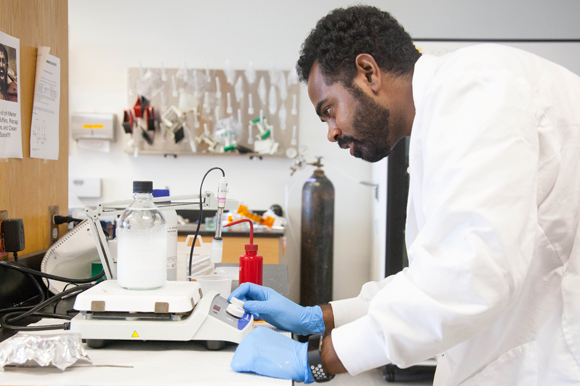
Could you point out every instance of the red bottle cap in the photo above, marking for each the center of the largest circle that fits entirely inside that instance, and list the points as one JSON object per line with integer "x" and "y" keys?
{"x": 252, "y": 248}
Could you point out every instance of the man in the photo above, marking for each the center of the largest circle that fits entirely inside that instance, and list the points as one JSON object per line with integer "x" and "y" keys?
{"x": 493, "y": 284}
{"x": 3, "y": 71}
{"x": 8, "y": 90}
{"x": 8, "y": 85}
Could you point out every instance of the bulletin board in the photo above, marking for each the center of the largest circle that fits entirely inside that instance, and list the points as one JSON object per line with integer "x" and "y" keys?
{"x": 29, "y": 186}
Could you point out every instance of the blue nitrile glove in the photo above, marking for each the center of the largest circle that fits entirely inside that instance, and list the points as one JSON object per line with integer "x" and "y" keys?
{"x": 267, "y": 352}
{"x": 269, "y": 305}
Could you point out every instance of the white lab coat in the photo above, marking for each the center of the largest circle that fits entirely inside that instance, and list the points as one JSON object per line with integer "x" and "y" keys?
{"x": 493, "y": 284}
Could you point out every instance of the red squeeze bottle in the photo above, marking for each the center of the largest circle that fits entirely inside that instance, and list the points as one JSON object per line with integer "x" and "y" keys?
{"x": 250, "y": 262}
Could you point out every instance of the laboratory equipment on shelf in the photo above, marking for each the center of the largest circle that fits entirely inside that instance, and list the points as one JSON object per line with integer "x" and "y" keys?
{"x": 267, "y": 220}
{"x": 178, "y": 311}
{"x": 264, "y": 142}
{"x": 139, "y": 121}
{"x": 251, "y": 264}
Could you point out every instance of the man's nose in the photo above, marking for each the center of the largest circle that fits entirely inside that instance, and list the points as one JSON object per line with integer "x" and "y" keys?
{"x": 334, "y": 132}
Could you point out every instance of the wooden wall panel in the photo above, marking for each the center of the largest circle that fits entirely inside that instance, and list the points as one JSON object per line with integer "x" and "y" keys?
{"x": 29, "y": 186}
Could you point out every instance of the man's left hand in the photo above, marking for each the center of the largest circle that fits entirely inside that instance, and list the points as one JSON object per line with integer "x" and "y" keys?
{"x": 267, "y": 352}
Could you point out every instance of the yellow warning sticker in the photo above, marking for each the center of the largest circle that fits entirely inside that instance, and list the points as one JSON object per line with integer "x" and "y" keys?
{"x": 93, "y": 126}
{"x": 135, "y": 335}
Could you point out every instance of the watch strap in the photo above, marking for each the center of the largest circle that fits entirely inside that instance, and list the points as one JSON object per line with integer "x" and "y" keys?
{"x": 315, "y": 360}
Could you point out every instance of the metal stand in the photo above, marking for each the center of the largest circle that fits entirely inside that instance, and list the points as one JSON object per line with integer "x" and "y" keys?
{"x": 115, "y": 208}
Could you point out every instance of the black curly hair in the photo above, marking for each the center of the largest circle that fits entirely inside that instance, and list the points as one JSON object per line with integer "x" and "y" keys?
{"x": 344, "y": 33}
{"x": 4, "y": 84}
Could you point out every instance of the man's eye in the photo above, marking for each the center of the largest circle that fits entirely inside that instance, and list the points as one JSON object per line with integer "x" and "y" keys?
{"x": 326, "y": 112}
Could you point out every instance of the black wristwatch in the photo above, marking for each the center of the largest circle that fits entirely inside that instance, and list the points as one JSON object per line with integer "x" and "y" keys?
{"x": 314, "y": 359}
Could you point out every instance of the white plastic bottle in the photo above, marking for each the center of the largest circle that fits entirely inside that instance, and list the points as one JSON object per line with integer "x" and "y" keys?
{"x": 171, "y": 218}
{"x": 142, "y": 242}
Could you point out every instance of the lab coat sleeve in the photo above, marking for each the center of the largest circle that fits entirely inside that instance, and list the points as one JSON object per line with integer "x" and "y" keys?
{"x": 347, "y": 310}
{"x": 478, "y": 143}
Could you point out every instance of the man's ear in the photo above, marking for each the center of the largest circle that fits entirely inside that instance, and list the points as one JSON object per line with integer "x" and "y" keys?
{"x": 368, "y": 72}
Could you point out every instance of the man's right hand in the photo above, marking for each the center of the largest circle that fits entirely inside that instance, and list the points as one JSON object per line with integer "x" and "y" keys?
{"x": 270, "y": 306}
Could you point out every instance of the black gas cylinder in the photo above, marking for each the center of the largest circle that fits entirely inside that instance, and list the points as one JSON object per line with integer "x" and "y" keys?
{"x": 317, "y": 239}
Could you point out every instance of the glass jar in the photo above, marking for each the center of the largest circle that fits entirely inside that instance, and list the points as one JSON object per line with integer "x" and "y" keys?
{"x": 142, "y": 242}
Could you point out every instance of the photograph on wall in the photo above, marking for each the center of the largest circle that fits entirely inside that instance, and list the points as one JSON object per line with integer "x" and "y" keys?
{"x": 8, "y": 74}
{"x": 10, "y": 125}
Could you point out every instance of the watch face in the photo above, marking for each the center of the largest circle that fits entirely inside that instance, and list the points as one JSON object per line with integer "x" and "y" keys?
{"x": 317, "y": 371}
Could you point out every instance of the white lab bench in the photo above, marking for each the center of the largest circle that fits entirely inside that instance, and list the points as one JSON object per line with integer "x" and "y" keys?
{"x": 144, "y": 363}
{"x": 169, "y": 363}
{"x": 164, "y": 363}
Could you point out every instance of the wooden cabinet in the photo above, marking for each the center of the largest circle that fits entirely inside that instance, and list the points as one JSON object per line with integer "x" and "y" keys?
{"x": 270, "y": 247}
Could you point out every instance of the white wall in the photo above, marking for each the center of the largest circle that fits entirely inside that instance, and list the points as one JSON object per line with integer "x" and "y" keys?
{"x": 109, "y": 36}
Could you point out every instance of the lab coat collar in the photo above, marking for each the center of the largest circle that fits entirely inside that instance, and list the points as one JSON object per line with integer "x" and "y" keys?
{"x": 424, "y": 70}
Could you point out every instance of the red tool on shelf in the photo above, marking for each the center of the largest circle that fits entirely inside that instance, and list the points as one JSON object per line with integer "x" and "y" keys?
{"x": 141, "y": 116}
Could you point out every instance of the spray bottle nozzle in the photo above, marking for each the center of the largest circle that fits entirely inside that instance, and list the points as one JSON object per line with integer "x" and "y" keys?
{"x": 249, "y": 247}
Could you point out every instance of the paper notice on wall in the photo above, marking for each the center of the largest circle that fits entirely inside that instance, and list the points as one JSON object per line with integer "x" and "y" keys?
{"x": 10, "y": 122}
{"x": 44, "y": 130}
{"x": 41, "y": 56}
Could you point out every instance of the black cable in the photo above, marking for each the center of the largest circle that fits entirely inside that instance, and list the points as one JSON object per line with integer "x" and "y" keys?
{"x": 64, "y": 326}
{"x": 13, "y": 317}
{"x": 39, "y": 306}
{"x": 57, "y": 220}
{"x": 58, "y": 301}
{"x": 26, "y": 308}
{"x": 200, "y": 214}
{"x": 15, "y": 314}
{"x": 38, "y": 287}
{"x": 53, "y": 277}
{"x": 22, "y": 303}
{"x": 44, "y": 294}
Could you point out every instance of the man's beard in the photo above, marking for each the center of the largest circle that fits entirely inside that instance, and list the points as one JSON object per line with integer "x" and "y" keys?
{"x": 371, "y": 124}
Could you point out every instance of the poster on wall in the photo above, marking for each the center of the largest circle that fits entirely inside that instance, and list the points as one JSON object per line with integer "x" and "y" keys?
{"x": 10, "y": 125}
{"x": 45, "y": 111}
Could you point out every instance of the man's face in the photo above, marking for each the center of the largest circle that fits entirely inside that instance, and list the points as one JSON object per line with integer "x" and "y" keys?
{"x": 355, "y": 120}
{"x": 3, "y": 67}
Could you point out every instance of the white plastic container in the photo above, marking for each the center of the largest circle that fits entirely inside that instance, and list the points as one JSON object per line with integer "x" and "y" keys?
{"x": 201, "y": 264}
{"x": 219, "y": 283}
{"x": 171, "y": 218}
{"x": 142, "y": 242}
